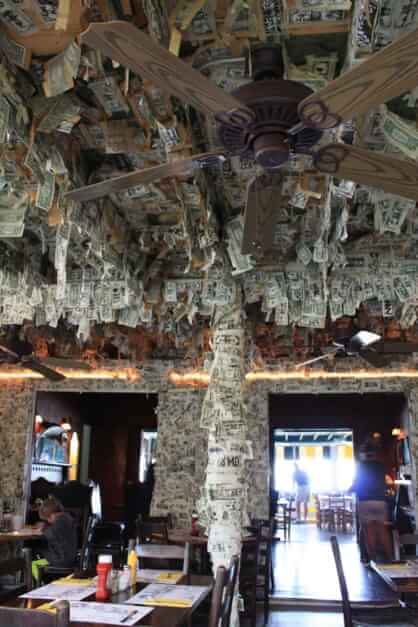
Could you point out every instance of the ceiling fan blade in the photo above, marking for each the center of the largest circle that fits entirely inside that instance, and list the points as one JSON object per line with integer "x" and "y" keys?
{"x": 37, "y": 366}
{"x": 125, "y": 43}
{"x": 264, "y": 194}
{"x": 57, "y": 362}
{"x": 4, "y": 349}
{"x": 369, "y": 168}
{"x": 315, "y": 359}
{"x": 374, "y": 359}
{"x": 393, "y": 347}
{"x": 142, "y": 177}
{"x": 386, "y": 74}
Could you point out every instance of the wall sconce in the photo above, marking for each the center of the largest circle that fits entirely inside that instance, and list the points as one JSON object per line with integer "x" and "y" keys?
{"x": 396, "y": 432}
{"x": 38, "y": 422}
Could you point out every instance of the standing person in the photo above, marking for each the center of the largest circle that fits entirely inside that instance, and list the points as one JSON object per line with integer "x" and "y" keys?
{"x": 301, "y": 480}
{"x": 370, "y": 489}
{"x": 60, "y": 533}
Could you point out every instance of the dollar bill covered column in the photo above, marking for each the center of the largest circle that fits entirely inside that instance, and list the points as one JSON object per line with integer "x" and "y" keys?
{"x": 223, "y": 502}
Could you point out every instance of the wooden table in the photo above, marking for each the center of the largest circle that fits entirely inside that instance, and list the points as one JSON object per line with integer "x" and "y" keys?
{"x": 160, "y": 616}
{"x": 402, "y": 577}
{"x": 27, "y": 533}
{"x": 184, "y": 536}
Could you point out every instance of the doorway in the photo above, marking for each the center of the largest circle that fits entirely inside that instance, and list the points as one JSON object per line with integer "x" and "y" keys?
{"x": 115, "y": 434}
{"x": 323, "y": 434}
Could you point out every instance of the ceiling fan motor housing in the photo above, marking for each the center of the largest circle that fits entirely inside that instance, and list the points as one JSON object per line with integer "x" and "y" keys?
{"x": 260, "y": 128}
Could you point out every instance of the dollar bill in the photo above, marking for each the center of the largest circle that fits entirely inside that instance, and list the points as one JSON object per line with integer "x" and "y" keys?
{"x": 12, "y": 229}
{"x": 16, "y": 19}
{"x": 408, "y": 315}
{"x": 55, "y": 112}
{"x": 109, "y": 95}
{"x": 14, "y": 52}
{"x": 61, "y": 70}
{"x": 399, "y": 133}
{"x": 5, "y": 113}
{"x": 45, "y": 193}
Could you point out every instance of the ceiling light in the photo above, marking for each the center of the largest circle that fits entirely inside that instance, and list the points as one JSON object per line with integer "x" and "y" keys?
{"x": 363, "y": 339}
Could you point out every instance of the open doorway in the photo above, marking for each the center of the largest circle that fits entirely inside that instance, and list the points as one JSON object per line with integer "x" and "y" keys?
{"x": 326, "y": 458}
{"x": 323, "y": 435}
{"x": 105, "y": 438}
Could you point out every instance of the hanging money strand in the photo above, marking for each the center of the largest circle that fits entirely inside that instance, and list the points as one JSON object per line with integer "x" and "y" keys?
{"x": 225, "y": 492}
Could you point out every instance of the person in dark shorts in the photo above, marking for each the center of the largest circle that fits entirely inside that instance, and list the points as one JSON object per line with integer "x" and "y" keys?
{"x": 370, "y": 489}
{"x": 60, "y": 533}
{"x": 301, "y": 480}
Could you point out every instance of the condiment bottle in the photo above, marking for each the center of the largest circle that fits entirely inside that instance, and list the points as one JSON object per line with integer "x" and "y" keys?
{"x": 195, "y": 520}
{"x": 104, "y": 577}
{"x": 132, "y": 561}
{"x": 125, "y": 579}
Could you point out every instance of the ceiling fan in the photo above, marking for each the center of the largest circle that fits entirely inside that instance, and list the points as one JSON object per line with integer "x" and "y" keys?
{"x": 20, "y": 352}
{"x": 268, "y": 119}
{"x": 369, "y": 346}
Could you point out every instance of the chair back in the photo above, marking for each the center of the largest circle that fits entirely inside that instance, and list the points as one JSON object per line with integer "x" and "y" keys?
{"x": 106, "y": 538}
{"x": 167, "y": 519}
{"x": 152, "y": 532}
{"x": 348, "y": 619}
{"x": 223, "y": 594}
{"x": 402, "y": 540}
{"x": 19, "y": 565}
{"x": 265, "y": 539}
{"x": 20, "y": 617}
{"x": 164, "y": 556}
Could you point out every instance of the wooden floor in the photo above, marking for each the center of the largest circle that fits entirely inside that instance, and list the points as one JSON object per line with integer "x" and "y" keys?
{"x": 304, "y": 569}
{"x": 303, "y": 619}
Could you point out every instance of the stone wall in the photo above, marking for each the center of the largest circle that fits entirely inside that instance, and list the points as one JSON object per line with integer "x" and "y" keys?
{"x": 182, "y": 448}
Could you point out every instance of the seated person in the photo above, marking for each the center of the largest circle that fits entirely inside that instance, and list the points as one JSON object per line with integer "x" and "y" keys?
{"x": 60, "y": 534}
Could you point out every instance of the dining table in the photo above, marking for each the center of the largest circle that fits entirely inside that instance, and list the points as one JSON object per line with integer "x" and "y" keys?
{"x": 402, "y": 576}
{"x": 27, "y": 533}
{"x": 160, "y": 616}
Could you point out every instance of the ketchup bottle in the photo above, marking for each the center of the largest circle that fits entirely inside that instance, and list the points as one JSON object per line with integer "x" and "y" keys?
{"x": 104, "y": 575}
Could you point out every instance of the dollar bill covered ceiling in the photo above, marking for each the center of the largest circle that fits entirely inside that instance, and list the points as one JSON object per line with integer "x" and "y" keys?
{"x": 137, "y": 273}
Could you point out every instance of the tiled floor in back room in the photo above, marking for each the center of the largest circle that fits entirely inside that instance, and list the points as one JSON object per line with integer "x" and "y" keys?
{"x": 304, "y": 568}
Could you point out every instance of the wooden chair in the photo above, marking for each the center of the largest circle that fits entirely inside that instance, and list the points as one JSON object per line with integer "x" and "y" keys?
{"x": 20, "y": 617}
{"x": 155, "y": 532}
{"x": 223, "y": 594}
{"x": 18, "y": 566}
{"x": 400, "y": 541}
{"x": 108, "y": 538}
{"x": 248, "y": 574}
{"x": 283, "y": 519}
{"x": 167, "y": 519}
{"x": 265, "y": 581}
{"x": 165, "y": 557}
{"x": 402, "y": 616}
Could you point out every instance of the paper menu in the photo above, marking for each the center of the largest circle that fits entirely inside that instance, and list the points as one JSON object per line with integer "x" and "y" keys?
{"x": 61, "y": 592}
{"x": 168, "y": 595}
{"x": 106, "y": 613}
{"x": 149, "y": 575}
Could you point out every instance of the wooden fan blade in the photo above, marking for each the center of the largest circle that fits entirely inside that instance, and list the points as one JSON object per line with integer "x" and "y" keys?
{"x": 138, "y": 177}
{"x": 386, "y": 74}
{"x": 264, "y": 194}
{"x": 125, "y": 43}
{"x": 6, "y": 350}
{"x": 389, "y": 346}
{"x": 57, "y": 362}
{"x": 315, "y": 359}
{"x": 369, "y": 168}
{"x": 37, "y": 366}
{"x": 374, "y": 359}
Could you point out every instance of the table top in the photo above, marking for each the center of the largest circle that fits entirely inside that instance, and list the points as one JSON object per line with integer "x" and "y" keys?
{"x": 183, "y": 536}
{"x": 400, "y": 576}
{"x": 27, "y": 533}
{"x": 160, "y": 616}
